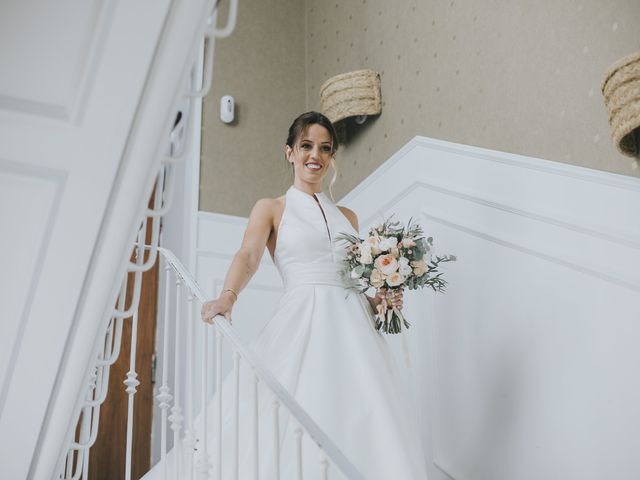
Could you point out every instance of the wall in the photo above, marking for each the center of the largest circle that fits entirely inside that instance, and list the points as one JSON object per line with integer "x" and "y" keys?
{"x": 262, "y": 65}
{"x": 521, "y": 77}
{"x": 518, "y": 77}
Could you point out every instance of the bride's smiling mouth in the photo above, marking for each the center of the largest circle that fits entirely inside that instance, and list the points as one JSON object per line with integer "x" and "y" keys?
{"x": 313, "y": 166}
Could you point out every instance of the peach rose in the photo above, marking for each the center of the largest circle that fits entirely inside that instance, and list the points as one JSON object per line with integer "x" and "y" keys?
{"x": 419, "y": 267}
{"x": 376, "y": 279}
{"x": 395, "y": 279}
{"x": 387, "y": 264}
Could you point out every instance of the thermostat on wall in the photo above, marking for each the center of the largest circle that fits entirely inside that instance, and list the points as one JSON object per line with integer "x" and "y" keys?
{"x": 227, "y": 107}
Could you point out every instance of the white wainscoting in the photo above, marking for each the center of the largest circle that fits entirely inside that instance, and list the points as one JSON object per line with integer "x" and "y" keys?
{"x": 526, "y": 368}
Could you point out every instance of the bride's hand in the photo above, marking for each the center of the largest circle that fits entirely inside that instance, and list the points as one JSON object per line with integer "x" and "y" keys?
{"x": 394, "y": 297}
{"x": 219, "y": 306}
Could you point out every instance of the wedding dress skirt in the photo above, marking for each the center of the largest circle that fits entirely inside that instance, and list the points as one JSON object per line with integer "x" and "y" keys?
{"x": 323, "y": 348}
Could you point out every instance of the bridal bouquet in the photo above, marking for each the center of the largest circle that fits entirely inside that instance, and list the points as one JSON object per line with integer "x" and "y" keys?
{"x": 393, "y": 257}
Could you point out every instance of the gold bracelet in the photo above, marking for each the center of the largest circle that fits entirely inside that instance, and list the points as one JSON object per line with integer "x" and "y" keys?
{"x": 230, "y": 290}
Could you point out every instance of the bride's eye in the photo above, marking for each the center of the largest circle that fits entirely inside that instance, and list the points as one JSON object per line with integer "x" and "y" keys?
{"x": 305, "y": 145}
{"x": 326, "y": 149}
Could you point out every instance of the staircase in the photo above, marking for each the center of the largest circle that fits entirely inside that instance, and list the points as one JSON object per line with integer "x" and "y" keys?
{"x": 87, "y": 133}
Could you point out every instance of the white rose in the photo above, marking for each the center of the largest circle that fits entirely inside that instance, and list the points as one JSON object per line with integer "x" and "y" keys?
{"x": 387, "y": 264}
{"x": 387, "y": 242}
{"x": 373, "y": 242}
{"x": 376, "y": 279}
{"x": 395, "y": 279}
{"x": 365, "y": 254}
{"x": 404, "y": 267}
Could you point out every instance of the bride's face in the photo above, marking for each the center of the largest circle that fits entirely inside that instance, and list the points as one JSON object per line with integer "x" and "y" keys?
{"x": 311, "y": 154}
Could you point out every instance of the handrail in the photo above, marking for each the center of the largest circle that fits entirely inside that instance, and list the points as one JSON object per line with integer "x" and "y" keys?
{"x": 303, "y": 418}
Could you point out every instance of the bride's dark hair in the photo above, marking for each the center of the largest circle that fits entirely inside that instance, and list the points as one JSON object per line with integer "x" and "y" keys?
{"x": 300, "y": 125}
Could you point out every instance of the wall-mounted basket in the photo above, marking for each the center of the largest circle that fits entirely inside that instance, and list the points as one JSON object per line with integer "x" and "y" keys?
{"x": 353, "y": 94}
{"x": 621, "y": 90}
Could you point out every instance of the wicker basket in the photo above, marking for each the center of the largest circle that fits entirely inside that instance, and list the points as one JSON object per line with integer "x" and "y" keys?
{"x": 350, "y": 94}
{"x": 621, "y": 90}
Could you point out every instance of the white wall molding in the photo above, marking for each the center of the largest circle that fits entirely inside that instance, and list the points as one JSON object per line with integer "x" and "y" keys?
{"x": 74, "y": 61}
{"x": 22, "y": 184}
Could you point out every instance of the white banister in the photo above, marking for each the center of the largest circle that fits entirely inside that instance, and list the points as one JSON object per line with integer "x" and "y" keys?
{"x": 281, "y": 398}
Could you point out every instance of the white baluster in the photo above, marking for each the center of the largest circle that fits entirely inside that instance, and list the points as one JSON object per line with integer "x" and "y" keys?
{"x": 219, "y": 399}
{"x": 131, "y": 382}
{"x": 189, "y": 434}
{"x": 68, "y": 472}
{"x": 324, "y": 466}
{"x": 176, "y": 411}
{"x": 256, "y": 437}
{"x": 164, "y": 397}
{"x": 298, "y": 433}
{"x": 276, "y": 437}
{"x": 236, "y": 415}
{"x": 203, "y": 461}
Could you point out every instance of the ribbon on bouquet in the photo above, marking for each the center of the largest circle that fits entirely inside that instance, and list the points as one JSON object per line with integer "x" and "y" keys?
{"x": 384, "y": 314}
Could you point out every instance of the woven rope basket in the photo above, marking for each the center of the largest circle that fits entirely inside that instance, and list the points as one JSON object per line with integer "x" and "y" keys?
{"x": 351, "y": 94}
{"x": 621, "y": 90}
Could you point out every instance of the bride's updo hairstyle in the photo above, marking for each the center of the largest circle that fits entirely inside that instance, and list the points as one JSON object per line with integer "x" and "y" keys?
{"x": 299, "y": 127}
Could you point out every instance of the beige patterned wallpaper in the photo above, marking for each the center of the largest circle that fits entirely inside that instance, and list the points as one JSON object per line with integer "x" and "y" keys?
{"x": 262, "y": 65}
{"x": 521, "y": 77}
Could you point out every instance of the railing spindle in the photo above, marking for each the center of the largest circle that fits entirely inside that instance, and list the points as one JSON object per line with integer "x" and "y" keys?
{"x": 131, "y": 382}
{"x": 298, "y": 433}
{"x": 176, "y": 410}
{"x": 324, "y": 466}
{"x": 236, "y": 415}
{"x": 219, "y": 399}
{"x": 256, "y": 437}
{"x": 189, "y": 437}
{"x": 276, "y": 437}
{"x": 164, "y": 397}
{"x": 203, "y": 461}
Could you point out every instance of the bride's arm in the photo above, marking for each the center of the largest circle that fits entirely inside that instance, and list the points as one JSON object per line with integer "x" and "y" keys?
{"x": 245, "y": 262}
{"x": 247, "y": 259}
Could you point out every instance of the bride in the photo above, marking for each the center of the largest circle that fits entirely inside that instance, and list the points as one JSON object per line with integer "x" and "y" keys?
{"x": 320, "y": 344}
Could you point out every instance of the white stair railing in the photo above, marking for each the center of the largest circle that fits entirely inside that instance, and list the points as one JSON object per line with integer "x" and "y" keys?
{"x": 188, "y": 297}
{"x": 74, "y": 463}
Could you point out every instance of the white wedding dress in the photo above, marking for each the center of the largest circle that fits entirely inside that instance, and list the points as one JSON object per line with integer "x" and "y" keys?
{"x": 323, "y": 348}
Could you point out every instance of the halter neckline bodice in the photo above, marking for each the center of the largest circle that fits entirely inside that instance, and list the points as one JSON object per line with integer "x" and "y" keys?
{"x": 306, "y": 249}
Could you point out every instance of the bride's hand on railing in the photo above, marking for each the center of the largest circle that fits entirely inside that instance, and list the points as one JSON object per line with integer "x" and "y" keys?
{"x": 219, "y": 306}
{"x": 394, "y": 297}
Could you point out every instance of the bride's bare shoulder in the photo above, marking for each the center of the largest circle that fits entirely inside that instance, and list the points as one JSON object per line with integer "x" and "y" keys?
{"x": 267, "y": 208}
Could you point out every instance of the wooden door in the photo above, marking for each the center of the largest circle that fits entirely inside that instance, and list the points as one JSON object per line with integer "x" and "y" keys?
{"x": 107, "y": 456}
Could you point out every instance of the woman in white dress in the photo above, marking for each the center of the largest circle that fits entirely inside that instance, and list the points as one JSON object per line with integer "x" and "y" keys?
{"x": 322, "y": 347}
